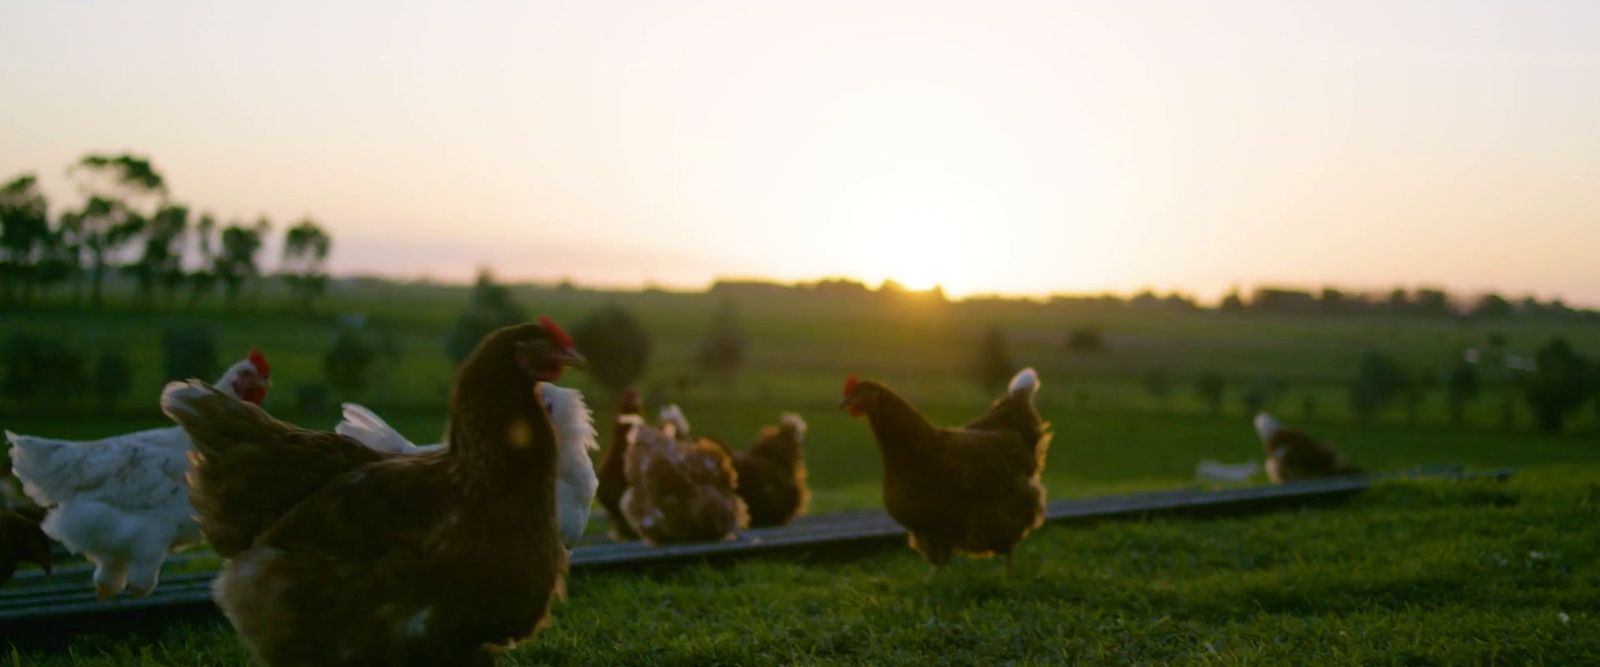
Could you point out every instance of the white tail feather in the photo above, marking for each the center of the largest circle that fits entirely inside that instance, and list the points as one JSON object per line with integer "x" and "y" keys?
{"x": 794, "y": 421}
{"x": 672, "y": 415}
{"x": 1026, "y": 379}
{"x": 367, "y": 428}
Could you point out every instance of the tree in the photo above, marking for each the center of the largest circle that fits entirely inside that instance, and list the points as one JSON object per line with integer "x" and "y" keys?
{"x": 189, "y": 351}
{"x": 305, "y": 253}
{"x": 203, "y": 279}
{"x": 348, "y": 363}
{"x": 489, "y": 307}
{"x": 1232, "y": 303}
{"x": 1085, "y": 339}
{"x": 616, "y": 345}
{"x": 994, "y": 366}
{"x": 1210, "y": 388}
{"x": 1379, "y": 381}
{"x": 722, "y": 351}
{"x": 1559, "y": 383}
{"x": 161, "y": 265}
{"x": 1460, "y": 388}
{"x": 116, "y": 187}
{"x": 236, "y": 264}
{"x": 1493, "y": 306}
{"x": 24, "y": 229}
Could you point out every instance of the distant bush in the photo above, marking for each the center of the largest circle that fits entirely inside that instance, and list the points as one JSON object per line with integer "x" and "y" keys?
{"x": 722, "y": 351}
{"x": 616, "y": 345}
{"x": 489, "y": 308}
{"x": 312, "y": 399}
{"x": 994, "y": 365}
{"x": 348, "y": 363}
{"x": 1085, "y": 339}
{"x": 113, "y": 379}
{"x": 1379, "y": 381}
{"x": 190, "y": 352}
{"x": 1210, "y": 388}
{"x": 1158, "y": 384}
{"x": 38, "y": 368}
{"x": 1561, "y": 382}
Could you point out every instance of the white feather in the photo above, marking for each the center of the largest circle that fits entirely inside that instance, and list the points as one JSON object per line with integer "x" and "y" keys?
{"x": 672, "y": 415}
{"x": 1216, "y": 471}
{"x": 795, "y": 422}
{"x": 1266, "y": 426}
{"x": 367, "y": 428}
{"x": 1026, "y": 379}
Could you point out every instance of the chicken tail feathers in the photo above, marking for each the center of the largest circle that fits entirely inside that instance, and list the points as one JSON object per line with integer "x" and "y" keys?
{"x": 43, "y": 465}
{"x": 1026, "y": 380}
{"x": 215, "y": 421}
{"x": 367, "y": 428}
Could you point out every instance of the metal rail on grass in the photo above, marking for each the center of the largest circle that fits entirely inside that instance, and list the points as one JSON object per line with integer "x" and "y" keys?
{"x": 186, "y": 578}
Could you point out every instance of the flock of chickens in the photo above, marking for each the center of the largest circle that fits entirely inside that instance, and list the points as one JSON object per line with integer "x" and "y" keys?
{"x": 359, "y": 547}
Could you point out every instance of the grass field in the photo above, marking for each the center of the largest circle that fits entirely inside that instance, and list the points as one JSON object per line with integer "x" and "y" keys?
{"x": 1412, "y": 573}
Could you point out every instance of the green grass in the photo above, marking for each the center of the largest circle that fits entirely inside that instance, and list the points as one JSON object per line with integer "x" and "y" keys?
{"x": 1410, "y": 573}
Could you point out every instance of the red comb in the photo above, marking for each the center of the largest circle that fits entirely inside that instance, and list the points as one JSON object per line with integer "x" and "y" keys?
{"x": 259, "y": 360}
{"x": 850, "y": 385}
{"x": 555, "y": 330}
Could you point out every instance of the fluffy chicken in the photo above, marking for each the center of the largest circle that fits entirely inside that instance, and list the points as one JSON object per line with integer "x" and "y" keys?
{"x": 339, "y": 554}
{"x": 122, "y": 501}
{"x": 772, "y": 473}
{"x": 679, "y": 490}
{"x": 973, "y": 489}
{"x": 575, "y": 438}
{"x": 22, "y": 541}
{"x": 1292, "y": 455}
{"x": 613, "y": 467}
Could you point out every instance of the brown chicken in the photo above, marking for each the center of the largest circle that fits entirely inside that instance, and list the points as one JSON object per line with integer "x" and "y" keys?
{"x": 22, "y": 541}
{"x": 1292, "y": 455}
{"x": 973, "y": 489}
{"x": 342, "y": 555}
{"x": 680, "y": 491}
{"x": 772, "y": 473}
{"x": 612, "y": 473}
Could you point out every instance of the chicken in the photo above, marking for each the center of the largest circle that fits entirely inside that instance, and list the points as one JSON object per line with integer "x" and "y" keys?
{"x": 575, "y": 437}
{"x": 678, "y": 490}
{"x": 22, "y": 541}
{"x": 122, "y": 501}
{"x": 339, "y": 554}
{"x": 612, "y": 474}
{"x": 1292, "y": 455}
{"x": 672, "y": 421}
{"x": 772, "y": 473}
{"x": 973, "y": 489}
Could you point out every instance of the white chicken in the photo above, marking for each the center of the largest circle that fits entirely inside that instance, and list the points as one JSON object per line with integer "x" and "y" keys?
{"x": 122, "y": 501}
{"x": 575, "y": 436}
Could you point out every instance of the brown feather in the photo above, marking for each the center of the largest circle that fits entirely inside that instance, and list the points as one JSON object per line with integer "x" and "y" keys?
{"x": 681, "y": 491}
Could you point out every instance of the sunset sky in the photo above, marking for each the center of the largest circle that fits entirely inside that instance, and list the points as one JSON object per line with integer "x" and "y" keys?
{"x": 1012, "y": 146}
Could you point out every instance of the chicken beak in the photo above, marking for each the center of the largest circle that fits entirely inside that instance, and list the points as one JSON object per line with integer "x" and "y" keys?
{"x": 571, "y": 358}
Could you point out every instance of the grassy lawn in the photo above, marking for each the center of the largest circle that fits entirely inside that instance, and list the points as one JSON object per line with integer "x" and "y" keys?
{"x": 1410, "y": 573}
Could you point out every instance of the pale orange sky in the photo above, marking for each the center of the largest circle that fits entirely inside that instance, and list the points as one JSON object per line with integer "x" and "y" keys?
{"x": 1022, "y": 147}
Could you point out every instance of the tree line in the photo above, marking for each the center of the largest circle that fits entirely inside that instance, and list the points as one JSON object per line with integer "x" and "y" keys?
{"x": 127, "y": 222}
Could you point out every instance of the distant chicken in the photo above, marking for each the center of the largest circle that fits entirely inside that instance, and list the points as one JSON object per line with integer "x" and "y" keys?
{"x": 680, "y": 491}
{"x": 575, "y": 437}
{"x": 772, "y": 473}
{"x": 339, "y": 554}
{"x": 122, "y": 501}
{"x": 973, "y": 489}
{"x": 21, "y": 541}
{"x": 1292, "y": 455}
{"x": 613, "y": 467}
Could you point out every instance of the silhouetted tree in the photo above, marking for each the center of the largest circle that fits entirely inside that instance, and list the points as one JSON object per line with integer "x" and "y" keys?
{"x": 203, "y": 279}
{"x": 305, "y": 254}
{"x": 1493, "y": 306}
{"x": 24, "y": 230}
{"x": 722, "y": 351}
{"x": 1231, "y": 303}
{"x": 1559, "y": 384}
{"x": 161, "y": 265}
{"x": 1379, "y": 381}
{"x": 489, "y": 307}
{"x": 236, "y": 265}
{"x": 1158, "y": 384}
{"x": 616, "y": 345}
{"x": 1210, "y": 388}
{"x": 118, "y": 187}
